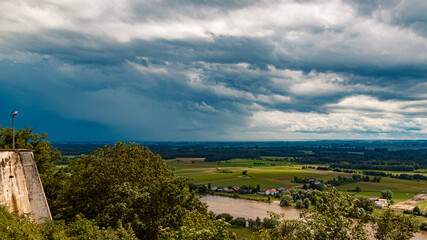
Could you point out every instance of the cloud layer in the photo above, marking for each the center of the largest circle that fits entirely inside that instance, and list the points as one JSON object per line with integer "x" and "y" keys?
{"x": 234, "y": 70}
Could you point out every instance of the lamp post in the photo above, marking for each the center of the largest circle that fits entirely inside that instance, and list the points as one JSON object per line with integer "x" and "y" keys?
{"x": 13, "y": 114}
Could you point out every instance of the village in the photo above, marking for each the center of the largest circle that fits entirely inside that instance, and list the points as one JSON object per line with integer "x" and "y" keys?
{"x": 379, "y": 202}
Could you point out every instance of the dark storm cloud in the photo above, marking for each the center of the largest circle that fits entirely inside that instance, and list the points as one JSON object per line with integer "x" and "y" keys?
{"x": 195, "y": 70}
{"x": 407, "y": 14}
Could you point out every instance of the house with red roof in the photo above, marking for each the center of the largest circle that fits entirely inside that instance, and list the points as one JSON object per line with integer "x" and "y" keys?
{"x": 271, "y": 191}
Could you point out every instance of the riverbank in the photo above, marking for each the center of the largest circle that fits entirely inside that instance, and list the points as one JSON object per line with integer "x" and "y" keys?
{"x": 250, "y": 209}
{"x": 253, "y": 197}
{"x": 247, "y": 208}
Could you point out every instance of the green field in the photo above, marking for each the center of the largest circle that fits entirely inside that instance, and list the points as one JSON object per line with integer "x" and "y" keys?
{"x": 242, "y": 233}
{"x": 422, "y": 205}
{"x": 402, "y": 189}
{"x": 274, "y": 174}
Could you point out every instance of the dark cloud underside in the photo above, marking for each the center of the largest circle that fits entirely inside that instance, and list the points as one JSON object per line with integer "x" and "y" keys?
{"x": 214, "y": 70}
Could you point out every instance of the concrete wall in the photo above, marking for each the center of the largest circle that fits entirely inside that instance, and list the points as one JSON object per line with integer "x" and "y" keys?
{"x": 20, "y": 187}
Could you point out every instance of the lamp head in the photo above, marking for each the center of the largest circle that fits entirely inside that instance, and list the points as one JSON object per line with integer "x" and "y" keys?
{"x": 14, "y": 113}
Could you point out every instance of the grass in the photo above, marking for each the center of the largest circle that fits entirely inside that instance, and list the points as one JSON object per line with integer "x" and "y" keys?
{"x": 423, "y": 206}
{"x": 282, "y": 173}
{"x": 242, "y": 233}
{"x": 397, "y": 196}
{"x": 402, "y": 189}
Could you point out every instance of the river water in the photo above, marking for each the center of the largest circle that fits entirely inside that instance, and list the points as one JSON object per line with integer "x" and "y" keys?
{"x": 247, "y": 208}
{"x": 253, "y": 209}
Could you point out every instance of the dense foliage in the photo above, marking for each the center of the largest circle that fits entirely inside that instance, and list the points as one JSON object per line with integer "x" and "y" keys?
{"x": 336, "y": 216}
{"x": 400, "y": 176}
{"x": 13, "y": 226}
{"x": 400, "y": 167}
{"x": 128, "y": 184}
{"x": 394, "y": 226}
{"x": 119, "y": 192}
{"x": 341, "y": 180}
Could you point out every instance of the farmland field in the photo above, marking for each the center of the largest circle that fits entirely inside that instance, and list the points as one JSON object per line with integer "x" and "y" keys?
{"x": 280, "y": 172}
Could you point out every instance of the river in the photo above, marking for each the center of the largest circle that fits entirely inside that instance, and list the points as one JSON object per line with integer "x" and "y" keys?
{"x": 247, "y": 208}
{"x": 253, "y": 209}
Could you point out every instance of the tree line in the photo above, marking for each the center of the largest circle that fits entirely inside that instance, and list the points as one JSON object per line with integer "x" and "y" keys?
{"x": 400, "y": 176}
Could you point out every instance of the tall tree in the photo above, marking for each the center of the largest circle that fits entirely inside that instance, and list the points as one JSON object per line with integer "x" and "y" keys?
{"x": 332, "y": 218}
{"x": 393, "y": 226}
{"x": 129, "y": 184}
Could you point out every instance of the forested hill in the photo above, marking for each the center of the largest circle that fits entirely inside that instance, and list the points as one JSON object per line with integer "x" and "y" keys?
{"x": 377, "y": 155}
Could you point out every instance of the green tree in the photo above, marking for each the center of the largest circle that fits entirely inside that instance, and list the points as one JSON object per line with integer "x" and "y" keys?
{"x": 393, "y": 226}
{"x": 197, "y": 225}
{"x": 240, "y": 221}
{"x": 285, "y": 229}
{"x": 13, "y": 226}
{"x": 299, "y": 203}
{"x": 129, "y": 185}
{"x": 226, "y": 216}
{"x": 334, "y": 215}
{"x": 332, "y": 218}
{"x": 286, "y": 200}
{"x": 258, "y": 222}
{"x": 387, "y": 194}
{"x": 358, "y": 189}
{"x": 416, "y": 210}
{"x": 365, "y": 203}
{"x": 244, "y": 172}
{"x": 306, "y": 203}
{"x": 270, "y": 222}
{"x": 251, "y": 223}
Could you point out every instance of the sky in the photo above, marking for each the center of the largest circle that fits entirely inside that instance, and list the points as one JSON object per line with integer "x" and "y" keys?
{"x": 210, "y": 70}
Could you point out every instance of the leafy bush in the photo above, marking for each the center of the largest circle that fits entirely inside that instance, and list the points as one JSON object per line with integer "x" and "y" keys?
{"x": 306, "y": 203}
{"x": 240, "y": 221}
{"x": 226, "y": 216}
{"x": 416, "y": 210}
{"x": 393, "y": 226}
{"x": 387, "y": 194}
{"x": 13, "y": 226}
{"x": 286, "y": 201}
{"x": 299, "y": 203}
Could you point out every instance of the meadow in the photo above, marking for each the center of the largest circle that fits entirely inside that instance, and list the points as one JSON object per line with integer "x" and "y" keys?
{"x": 281, "y": 171}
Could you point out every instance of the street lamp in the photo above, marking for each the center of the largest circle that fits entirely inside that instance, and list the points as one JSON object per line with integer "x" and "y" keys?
{"x": 13, "y": 114}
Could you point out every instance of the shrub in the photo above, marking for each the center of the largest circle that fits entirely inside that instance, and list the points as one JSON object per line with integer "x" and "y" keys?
{"x": 416, "y": 210}
{"x": 299, "y": 203}
{"x": 306, "y": 202}
{"x": 387, "y": 194}
{"x": 227, "y": 217}
{"x": 240, "y": 221}
{"x": 286, "y": 201}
